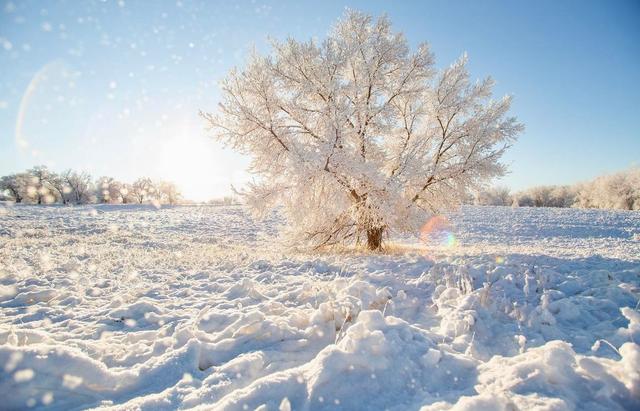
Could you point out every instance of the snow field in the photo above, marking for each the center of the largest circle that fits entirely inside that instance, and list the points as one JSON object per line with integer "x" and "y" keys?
{"x": 131, "y": 307}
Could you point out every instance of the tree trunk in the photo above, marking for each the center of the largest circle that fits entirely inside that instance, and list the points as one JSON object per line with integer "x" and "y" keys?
{"x": 374, "y": 238}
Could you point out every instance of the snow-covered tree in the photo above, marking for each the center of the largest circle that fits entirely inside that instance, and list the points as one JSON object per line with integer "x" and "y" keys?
{"x": 142, "y": 190}
{"x": 619, "y": 190}
{"x": 15, "y": 185}
{"x": 540, "y": 195}
{"x": 358, "y": 136}
{"x": 81, "y": 186}
{"x": 41, "y": 190}
{"x": 126, "y": 193}
{"x": 168, "y": 193}
{"x": 547, "y": 196}
{"x": 563, "y": 196}
{"x": 495, "y": 196}
{"x": 60, "y": 187}
{"x": 108, "y": 190}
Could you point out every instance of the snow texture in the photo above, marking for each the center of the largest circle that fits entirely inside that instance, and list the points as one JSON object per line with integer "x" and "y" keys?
{"x": 130, "y": 307}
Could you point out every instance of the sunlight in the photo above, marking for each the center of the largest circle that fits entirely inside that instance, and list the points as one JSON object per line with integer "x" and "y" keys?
{"x": 197, "y": 164}
{"x": 188, "y": 160}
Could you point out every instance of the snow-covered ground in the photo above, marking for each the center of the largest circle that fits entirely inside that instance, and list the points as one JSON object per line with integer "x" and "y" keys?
{"x": 129, "y": 307}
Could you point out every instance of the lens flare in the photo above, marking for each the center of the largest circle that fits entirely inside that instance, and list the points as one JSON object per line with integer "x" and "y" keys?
{"x": 41, "y": 76}
{"x": 437, "y": 232}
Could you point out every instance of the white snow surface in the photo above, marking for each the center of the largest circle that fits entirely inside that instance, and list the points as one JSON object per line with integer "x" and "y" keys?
{"x": 129, "y": 307}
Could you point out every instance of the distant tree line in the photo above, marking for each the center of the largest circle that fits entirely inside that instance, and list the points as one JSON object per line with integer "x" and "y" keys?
{"x": 614, "y": 191}
{"x": 224, "y": 201}
{"x": 39, "y": 185}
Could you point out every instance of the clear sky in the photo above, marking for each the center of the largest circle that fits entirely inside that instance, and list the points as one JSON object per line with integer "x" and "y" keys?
{"x": 114, "y": 87}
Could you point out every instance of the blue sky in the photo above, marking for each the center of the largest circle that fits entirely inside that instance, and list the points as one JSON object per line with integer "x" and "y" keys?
{"x": 114, "y": 87}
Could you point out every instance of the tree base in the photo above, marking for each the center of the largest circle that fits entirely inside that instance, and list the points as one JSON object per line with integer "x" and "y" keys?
{"x": 374, "y": 238}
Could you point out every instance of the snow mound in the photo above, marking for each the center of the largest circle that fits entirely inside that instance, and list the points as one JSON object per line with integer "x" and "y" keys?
{"x": 553, "y": 377}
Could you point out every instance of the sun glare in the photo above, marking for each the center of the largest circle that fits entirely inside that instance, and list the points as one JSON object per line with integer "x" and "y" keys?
{"x": 197, "y": 164}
